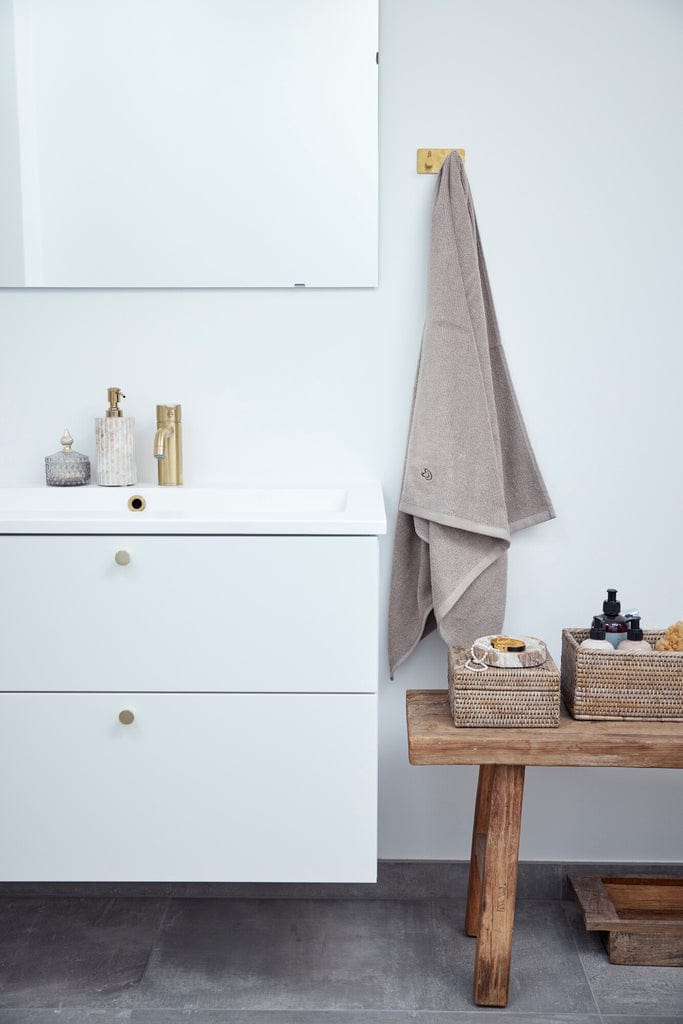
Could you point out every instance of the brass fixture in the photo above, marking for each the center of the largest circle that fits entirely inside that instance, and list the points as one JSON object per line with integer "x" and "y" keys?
{"x": 114, "y": 396}
{"x": 168, "y": 445}
{"x": 137, "y": 503}
{"x": 430, "y": 161}
{"x": 122, "y": 557}
{"x": 126, "y": 717}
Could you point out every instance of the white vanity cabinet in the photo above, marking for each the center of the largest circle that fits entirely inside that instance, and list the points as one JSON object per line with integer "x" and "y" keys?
{"x": 188, "y": 707}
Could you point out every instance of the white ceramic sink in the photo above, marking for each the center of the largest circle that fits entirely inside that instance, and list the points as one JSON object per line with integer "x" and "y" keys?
{"x": 346, "y": 509}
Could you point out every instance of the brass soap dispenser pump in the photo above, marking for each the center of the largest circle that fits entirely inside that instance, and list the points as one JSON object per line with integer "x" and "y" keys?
{"x": 168, "y": 445}
{"x": 114, "y": 396}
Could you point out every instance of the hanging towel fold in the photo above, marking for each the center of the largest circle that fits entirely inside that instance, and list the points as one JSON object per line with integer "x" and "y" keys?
{"x": 470, "y": 476}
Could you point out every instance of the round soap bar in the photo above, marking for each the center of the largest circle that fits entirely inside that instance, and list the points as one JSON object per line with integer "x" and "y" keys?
{"x": 508, "y": 643}
{"x": 534, "y": 653}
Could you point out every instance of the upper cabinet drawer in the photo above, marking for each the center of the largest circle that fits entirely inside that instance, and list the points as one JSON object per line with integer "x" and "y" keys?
{"x": 137, "y": 613}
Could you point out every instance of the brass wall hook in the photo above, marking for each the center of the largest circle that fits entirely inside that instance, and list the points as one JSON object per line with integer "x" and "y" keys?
{"x": 430, "y": 161}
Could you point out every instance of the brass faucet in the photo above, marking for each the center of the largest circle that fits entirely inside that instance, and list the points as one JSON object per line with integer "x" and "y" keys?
{"x": 168, "y": 445}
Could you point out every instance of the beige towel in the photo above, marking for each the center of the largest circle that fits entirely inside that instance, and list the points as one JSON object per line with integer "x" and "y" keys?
{"x": 470, "y": 476}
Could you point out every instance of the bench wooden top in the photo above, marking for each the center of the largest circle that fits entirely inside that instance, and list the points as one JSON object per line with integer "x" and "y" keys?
{"x": 434, "y": 739}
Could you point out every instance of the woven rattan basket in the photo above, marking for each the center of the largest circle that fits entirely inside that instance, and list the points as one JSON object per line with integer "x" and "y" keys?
{"x": 503, "y": 697}
{"x": 603, "y": 686}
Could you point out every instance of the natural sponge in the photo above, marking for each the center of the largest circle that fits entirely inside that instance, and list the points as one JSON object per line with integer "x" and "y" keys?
{"x": 672, "y": 639}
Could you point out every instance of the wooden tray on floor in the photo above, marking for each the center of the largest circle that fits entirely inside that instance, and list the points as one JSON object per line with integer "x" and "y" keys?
{"x": 640, "y": 917}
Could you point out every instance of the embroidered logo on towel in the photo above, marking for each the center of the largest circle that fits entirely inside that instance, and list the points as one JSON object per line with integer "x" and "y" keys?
{"x": 426, "y": 474}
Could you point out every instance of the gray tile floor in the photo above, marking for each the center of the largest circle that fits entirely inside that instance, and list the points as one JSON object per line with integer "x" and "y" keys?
{"x": 305, "y": 961}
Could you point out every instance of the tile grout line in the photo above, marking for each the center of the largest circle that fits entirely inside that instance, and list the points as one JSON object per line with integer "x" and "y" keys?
{"x": 578, "y": 953}
{"x": 152, "y": 946}
{"x": 318, "y": 1014}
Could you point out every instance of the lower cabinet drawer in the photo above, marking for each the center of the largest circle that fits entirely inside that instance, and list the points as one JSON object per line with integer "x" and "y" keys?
{"x": 197, "y": 787}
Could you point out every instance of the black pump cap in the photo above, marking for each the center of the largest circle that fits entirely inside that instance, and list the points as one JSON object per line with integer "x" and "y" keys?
{"x": 634, "y": 630}
{"x": 611, "y": 606}
{"x": 597, "y": 629}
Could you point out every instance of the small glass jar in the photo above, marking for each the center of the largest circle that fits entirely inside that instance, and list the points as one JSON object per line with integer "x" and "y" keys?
{"x": 67, "y": 468}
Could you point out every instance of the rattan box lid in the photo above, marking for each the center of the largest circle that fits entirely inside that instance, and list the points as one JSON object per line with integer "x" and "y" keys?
{"x": 541, "y": 677}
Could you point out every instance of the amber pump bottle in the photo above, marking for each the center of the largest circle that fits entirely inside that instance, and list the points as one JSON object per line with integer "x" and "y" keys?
{"x": 614, "y": 624}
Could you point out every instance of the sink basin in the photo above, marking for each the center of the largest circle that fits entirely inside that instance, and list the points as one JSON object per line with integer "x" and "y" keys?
{"x": 147, "y": 508}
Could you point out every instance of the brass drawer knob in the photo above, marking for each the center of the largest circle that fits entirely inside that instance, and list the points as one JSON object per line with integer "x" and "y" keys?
{"x": 122, "y": 557}
{"x": 126, "y": 717}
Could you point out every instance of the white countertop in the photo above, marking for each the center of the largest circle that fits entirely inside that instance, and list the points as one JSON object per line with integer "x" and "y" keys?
{"x": 344, "y": 510}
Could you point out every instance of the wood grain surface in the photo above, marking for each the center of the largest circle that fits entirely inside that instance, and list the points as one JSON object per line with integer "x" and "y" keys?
{"x": 639, "y": 903}
{"x": 434, "y": 739}
{"x": 499, "y": 886}
{"x": 651, "y": 950}
{"x": 479, "y": 830}
{"x": 640, "y": 918}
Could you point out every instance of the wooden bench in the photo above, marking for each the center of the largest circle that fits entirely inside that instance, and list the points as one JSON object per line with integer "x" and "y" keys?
{"x": 502, "y": 755}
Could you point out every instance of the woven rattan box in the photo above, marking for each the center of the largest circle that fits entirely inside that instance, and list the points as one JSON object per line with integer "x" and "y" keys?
{"x": 599, "y": 685}
{"x": 503, "y": 697}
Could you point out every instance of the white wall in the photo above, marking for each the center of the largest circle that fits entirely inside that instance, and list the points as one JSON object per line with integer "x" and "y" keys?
{"x": 569, "y": 114}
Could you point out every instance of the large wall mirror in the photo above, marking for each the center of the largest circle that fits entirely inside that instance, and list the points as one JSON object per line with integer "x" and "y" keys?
{"x": 188, "y": 143}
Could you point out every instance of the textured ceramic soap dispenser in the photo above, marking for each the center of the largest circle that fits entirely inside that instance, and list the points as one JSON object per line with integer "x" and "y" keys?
{"x": 115, "y": 444}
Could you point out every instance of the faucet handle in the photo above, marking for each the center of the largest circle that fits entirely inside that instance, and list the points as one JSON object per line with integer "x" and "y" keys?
{"x": 169, "y": 413}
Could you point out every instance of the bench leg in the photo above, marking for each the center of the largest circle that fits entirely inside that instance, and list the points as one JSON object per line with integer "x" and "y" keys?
{"x": 479, "y": 830}
{"x": 499, "y": 886}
